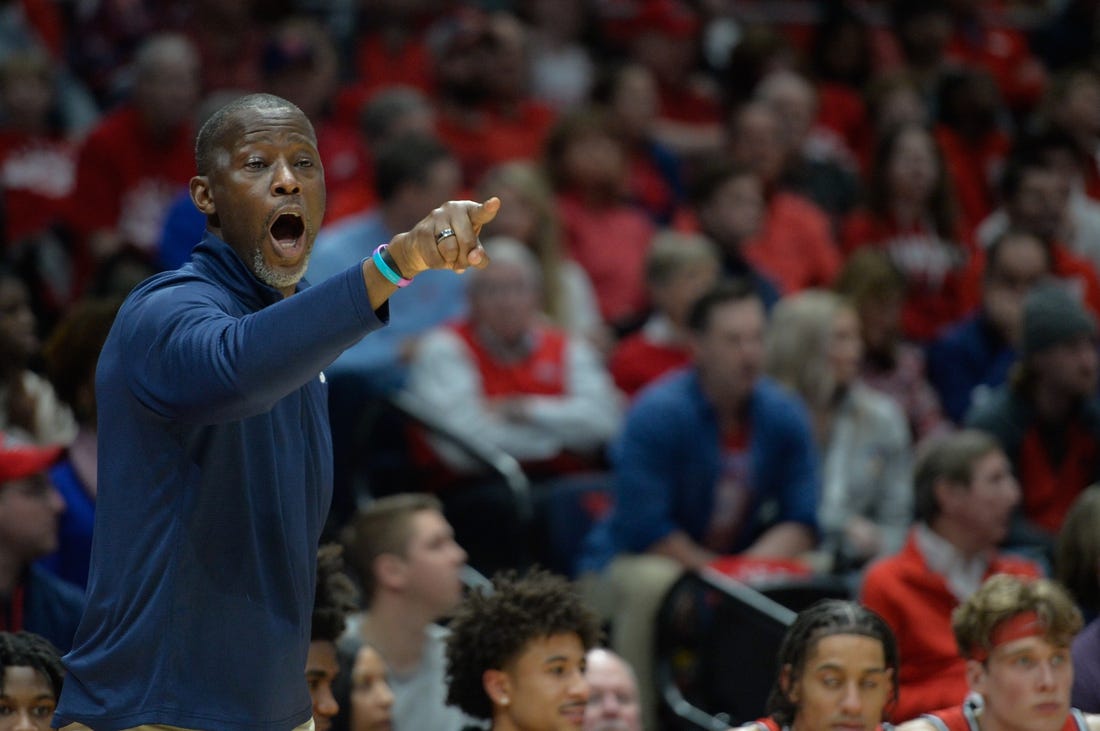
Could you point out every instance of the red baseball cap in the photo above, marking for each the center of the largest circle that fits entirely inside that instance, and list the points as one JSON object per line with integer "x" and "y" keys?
{"x": 18, "y": 461}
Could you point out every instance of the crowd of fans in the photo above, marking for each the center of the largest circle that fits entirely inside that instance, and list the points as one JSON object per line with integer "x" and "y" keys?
{"x": 799, "y": 291}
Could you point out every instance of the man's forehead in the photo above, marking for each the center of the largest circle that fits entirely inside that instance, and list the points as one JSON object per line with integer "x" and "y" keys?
{"x": 255, "y": 121}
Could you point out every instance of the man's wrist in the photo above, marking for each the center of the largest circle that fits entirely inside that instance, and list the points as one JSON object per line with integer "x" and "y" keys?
{"x": 398, "y": 249}
{"x": 388, "y": 267}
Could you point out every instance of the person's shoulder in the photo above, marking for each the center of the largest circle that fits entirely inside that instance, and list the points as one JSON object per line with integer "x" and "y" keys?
{"x": 672, "y": 392}
{"x": 878, "y": 407}
{"x": 777, "y": 404}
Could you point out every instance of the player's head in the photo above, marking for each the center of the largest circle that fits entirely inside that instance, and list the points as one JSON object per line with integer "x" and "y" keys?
{"x": 30, "y": 680}
{"x": 1015, "y": 634}
{"x": 838, "y": 664}
{"x": 518, "y": 651}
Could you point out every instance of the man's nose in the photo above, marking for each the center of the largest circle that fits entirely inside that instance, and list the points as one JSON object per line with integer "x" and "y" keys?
{"x": 284, "y": 181}
{"x": 851, "y": 703}
{"x": 24, "y": 722}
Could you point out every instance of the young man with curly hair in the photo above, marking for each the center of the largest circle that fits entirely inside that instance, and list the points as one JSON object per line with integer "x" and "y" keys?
{"x": 1014, "y": 634}
{"x": 516, "y": 655}
{"x": 30, "y": 681}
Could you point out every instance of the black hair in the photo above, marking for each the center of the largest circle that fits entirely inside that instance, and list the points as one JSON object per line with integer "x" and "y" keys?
{"x": 26, "y": 649}
{"x": 712, "y": 176}
{"x": 729, "y": 290}
{"x": 825, "y": 618}
{"x": 408, "y": 158}
{"x": 212, "y": 133}
{"x": 493, "y": 627}
{"x": 335, "y": 596}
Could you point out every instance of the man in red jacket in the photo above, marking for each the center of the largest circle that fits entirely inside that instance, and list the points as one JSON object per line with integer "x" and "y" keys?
{"x": 965, "y": 493}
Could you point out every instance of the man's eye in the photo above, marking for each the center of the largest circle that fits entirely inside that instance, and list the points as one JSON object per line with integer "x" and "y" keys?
{"x": 254, "y": 163}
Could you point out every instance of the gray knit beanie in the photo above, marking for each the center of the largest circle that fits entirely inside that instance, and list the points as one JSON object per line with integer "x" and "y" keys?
{"x": 1052, "y": 317}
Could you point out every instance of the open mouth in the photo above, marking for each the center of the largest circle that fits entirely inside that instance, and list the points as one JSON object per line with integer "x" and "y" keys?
{"x": 287, "y": 229}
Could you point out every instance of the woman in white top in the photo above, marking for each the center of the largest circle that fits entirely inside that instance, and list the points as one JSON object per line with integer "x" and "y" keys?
{"x": 865, "y": 505}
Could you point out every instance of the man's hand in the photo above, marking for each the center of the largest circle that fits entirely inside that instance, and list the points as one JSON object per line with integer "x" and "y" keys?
{"x": 447, "y": 238}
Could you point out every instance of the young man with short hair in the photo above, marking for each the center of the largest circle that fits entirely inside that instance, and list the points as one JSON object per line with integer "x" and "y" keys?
{"x": 1014, "y": 635}
{"x": 965, "y": 495}
{"x": 404, "y": 552}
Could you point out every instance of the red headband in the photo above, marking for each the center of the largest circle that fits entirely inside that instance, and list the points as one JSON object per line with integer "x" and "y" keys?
{"x": 1016, "y": 627}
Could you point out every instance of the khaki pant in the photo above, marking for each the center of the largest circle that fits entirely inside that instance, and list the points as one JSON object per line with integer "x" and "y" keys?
{"x": 629, "y": 593}
{"x": 307, "y": 726}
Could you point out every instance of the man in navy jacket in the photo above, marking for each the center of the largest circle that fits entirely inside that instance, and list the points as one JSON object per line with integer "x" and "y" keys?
{"x": 215, "y": 464}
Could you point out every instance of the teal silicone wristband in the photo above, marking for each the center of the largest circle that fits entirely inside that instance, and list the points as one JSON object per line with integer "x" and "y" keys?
{"x": 383, "y": 262}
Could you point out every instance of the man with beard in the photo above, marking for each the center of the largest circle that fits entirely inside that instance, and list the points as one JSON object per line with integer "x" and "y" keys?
{"x": 1047, "y": 418}
{"x": 216, "y": 454}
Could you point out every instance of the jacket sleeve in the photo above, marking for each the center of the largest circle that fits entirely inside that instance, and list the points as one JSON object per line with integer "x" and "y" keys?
{"x": 646, "y": 466}
{"x": 797, "y": 459}
{"x": 189, "y": 359}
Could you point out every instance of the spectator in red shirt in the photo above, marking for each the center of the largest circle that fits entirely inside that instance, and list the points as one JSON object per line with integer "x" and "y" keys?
{"x": 486, "y": 113}
{"x": 964, "y": 497}
{"x": 679, "y": 269}
{"x": 136, "y": 161}
{"x": 629, "y": 93}
{"x": 893, "y": 100}
{"x": 978, "y": 40}
{"x": 974, "y": 147}
{"x": 795, "y": 246}
{"x": 608, "y": 237}
{"x": 910, "y": 216}
{"x": 664, "y": 36}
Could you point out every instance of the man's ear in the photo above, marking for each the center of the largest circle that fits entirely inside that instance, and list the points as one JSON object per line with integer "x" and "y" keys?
{"x": 201, "y": 195}
{"x": 975, "y": 676}
{"x": 497, "y": 686}
{"x": 945, "y": 493}
{"x": 389, "y": 570}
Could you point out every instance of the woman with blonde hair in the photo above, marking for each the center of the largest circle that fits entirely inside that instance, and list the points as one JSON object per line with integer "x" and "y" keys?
{"x": 529, "y": 215}
{"x": 865, "y": 505}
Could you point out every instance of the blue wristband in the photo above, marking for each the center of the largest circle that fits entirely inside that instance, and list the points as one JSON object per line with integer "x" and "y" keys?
{"x": 385, "y": 268}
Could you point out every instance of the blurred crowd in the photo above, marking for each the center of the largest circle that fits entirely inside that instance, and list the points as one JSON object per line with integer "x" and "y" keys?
{"x": 769, "y": 280}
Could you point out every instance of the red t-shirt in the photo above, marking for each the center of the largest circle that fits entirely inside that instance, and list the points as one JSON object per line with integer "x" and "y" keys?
{"x": 637, "y": 361}
{"x": 1048, "y": 489}
{"x": 611, "y": 244}
{"x": 493, "y": 136}
{"x": 795, "y": 247}
{"x": 37, "y": 175}
{"x": 974, "y": 168}
{"x": 939, "y": 274}
{"x": 126, "y": 178}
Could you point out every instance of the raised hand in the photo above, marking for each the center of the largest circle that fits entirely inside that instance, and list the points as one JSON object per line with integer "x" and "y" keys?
{"x": 447, "y": 238}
